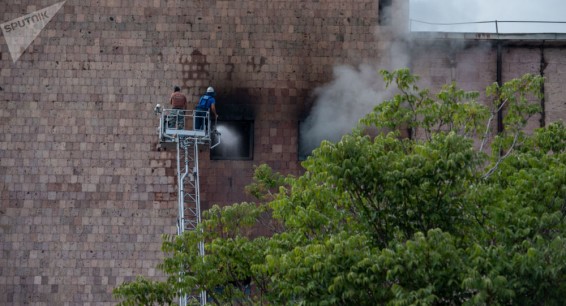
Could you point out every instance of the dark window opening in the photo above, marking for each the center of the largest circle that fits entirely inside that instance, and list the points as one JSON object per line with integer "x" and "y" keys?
{"x": 305, "y": 149}
{"x": 236, "y": 140}
{"x": 384, "y": 14}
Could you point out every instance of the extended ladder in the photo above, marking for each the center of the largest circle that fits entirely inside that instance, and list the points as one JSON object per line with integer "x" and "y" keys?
{"x": 172, "y": 131}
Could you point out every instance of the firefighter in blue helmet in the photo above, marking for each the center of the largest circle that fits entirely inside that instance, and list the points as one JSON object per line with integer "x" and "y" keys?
{"x": 205, "y": 104}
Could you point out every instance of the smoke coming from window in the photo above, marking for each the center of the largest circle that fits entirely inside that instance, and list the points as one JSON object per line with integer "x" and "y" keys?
{"x": 340, "y": 104}
{"x": 355, "y": 90}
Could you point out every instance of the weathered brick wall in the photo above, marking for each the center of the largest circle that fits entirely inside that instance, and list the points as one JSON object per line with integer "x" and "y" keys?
{"x": 555, "y": 78}
{"x": 473, "y": 66}
{"x": 84, "y": 195}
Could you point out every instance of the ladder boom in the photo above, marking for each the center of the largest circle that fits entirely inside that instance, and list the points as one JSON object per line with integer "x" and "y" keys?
{"x": 172, "y": 130}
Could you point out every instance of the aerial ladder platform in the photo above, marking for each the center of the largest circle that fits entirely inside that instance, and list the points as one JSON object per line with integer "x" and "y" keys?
{"x": 173, "y": 132}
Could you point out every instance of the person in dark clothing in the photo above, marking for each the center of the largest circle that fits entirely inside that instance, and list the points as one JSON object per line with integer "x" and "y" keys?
{"x": 179, "y": 103}
{"x": 205, "y": 104}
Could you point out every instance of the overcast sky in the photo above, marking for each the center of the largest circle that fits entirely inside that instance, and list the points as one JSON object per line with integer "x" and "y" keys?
{"x": 454, "y": 11}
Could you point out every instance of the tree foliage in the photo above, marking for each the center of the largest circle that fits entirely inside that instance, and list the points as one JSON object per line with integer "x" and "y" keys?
{"x": 448, "y": 213}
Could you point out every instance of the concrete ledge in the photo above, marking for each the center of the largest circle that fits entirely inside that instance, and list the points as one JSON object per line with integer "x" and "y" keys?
{"x": 491, "y": 36}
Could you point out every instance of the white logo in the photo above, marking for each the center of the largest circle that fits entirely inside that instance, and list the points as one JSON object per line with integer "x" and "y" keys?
{"x": 20, "y": 32}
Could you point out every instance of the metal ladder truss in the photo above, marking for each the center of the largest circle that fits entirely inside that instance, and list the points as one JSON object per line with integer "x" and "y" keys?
{"x": 172, "y": 130}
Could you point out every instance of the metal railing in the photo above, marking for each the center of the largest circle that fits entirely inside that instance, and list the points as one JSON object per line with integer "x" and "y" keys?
{"x": 197, "y": 124}
{"x": 493, "y": 26}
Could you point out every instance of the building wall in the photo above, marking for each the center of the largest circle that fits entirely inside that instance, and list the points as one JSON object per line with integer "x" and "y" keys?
{"x": 472, "y": 65}
{"x": 555, "y": 77}
{"x": 84, "y": 194}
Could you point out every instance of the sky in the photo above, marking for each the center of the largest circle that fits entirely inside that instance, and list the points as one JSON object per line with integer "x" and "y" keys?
{"x": 454, "y": 11}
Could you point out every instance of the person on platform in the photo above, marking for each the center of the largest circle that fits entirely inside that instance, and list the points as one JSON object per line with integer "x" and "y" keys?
{"x": 179, "y": 103}
{"x": 206, "y": 103}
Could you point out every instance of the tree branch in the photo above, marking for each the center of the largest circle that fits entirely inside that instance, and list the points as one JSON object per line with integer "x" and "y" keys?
{"x": 490, "y": 172}
{"x": 486, "y": 133}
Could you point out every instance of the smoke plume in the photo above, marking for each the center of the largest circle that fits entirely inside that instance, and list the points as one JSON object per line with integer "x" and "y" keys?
{"x": 355, "y": 90}
{"x": 340, "y": 104}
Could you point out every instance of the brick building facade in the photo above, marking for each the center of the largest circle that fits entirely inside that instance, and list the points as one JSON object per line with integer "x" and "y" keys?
{"x": 84, "y": 194}
{"x": 472, "y": 62}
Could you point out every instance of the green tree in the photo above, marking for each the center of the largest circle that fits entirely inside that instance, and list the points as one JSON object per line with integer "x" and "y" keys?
{"x": 446, "y": 213}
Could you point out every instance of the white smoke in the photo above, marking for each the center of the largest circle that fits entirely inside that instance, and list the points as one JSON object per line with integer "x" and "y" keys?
{"x": 340, "y": 104}
{"x": 355, "y": 90}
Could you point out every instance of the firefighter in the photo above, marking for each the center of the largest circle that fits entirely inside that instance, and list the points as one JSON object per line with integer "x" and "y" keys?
{"x": 205, "y": 104}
